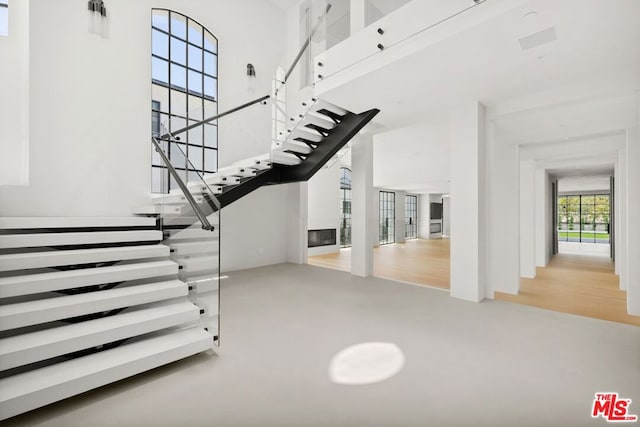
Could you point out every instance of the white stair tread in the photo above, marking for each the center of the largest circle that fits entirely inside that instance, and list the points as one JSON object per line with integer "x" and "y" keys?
{"x": 193, "y": 248}
{"x": 81, "y": 238}
{"x": 47, "y": 310}
{"x": 192, "y": 233}
{"x": 198, "y": 264}
{"x": 160, "y": 209}
{"x": 198, "y": 187}
{"x": 58, "y": 280}
{"x": 294, "y": 146}
{"x": 23, "y": 392}
{"x": 285, "y": 158}
{"x": 79, "y": 256}
{"x": 73, "y": 222}
{"x": 41, "y": 345}
{"x": 260, "y": 162}
{"x": 305, "y": 133}
{"x": 175, "y": 198}
{"x": 235, "y": 170}
{"x": 312, "y": 119}
{"x": 321, "y": 104}
{"x": 218, "y": 179}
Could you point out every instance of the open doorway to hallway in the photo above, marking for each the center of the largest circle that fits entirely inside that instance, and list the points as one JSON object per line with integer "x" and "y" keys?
{"x": 579, "y": 275}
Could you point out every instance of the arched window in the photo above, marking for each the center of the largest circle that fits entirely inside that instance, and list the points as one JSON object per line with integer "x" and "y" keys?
{"x": 184, "y": 82}
{"x": 345, "y": 207}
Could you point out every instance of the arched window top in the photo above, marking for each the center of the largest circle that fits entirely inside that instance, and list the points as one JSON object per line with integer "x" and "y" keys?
{"x": 185, "y": 54}
{"x": 184, "y": 89}
{"x": 345, "y": 178}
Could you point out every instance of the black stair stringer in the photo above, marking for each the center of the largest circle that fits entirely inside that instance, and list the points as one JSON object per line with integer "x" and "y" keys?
{"x": 350, "y": 125}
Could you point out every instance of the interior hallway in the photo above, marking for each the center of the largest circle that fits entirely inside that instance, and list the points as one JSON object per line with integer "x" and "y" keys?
{"x": 417, "y": 261}
{"x": 576, "y": 284}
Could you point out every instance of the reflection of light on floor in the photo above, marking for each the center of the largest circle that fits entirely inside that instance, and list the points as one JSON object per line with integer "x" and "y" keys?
{"x": 366, "y": 363}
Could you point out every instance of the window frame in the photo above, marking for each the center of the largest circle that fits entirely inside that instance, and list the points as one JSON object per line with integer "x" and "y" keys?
{"x": 345, "y": 214}
{"x": 411, "y": 217}
{"x": 387, "y": 224}
{"x": 4, "y": 4}
{"x": 188, "y": 104}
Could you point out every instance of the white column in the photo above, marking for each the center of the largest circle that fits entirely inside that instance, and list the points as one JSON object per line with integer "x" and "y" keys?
{"x": 297, "y": 215}
{"x": 527, "y": 219}
{"x": 446, "y": 216}
{"x": 400, "y": 216}
{"x": 503, "y": 221}
{"x": 541, "y": 208}
{"x": 468, "y": 211}
{"x": 362, "y": 212}
{"x": 424, "y": 212}
{"x": 633, "y": 225}
{"x": 621, "y": 218}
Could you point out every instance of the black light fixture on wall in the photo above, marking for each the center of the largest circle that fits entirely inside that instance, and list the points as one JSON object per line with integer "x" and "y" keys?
{"x": 97, "y": 6}
{"x": 251, "y": 75}
{"x": 98, "y": 18}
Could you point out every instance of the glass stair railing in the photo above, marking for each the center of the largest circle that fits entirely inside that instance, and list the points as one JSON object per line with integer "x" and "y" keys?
{"x": 189, "y": 217}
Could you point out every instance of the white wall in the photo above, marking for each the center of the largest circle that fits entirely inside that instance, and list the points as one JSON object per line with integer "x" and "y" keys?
{"x": 324, "y": 205}
{"x": 297, "y": 218}
{"x": 247, "y": 242}
{"x": 14, "y": 98}
{"x": 415, "y": 158}
{"x": 89, "y": 98}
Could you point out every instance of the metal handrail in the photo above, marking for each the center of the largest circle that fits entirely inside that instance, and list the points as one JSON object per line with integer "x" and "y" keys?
{"x": 304, "y": 47}
{"x": 217, "y": 116}
{"x": 206, "y": 225}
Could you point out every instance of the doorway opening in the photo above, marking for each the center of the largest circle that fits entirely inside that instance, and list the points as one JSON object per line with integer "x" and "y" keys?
{"x": 584, "y": 224}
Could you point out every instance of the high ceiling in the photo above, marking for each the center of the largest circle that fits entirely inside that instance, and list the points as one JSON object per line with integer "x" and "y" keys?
{"x": 486, "y": 62}
{"x": 581, "y": 83}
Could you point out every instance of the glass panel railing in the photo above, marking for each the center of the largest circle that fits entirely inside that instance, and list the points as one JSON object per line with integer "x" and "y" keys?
{"x": 377, "y": 9}
{"x": 190, "y": 220}
{"x": 349, "y": 36}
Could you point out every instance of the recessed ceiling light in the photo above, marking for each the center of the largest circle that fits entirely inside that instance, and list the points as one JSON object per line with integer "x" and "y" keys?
{"x": 530, "y": 14}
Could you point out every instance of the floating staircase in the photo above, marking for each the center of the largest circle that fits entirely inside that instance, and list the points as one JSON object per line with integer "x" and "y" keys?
{"x": 88, "y": 301}
{"x": 314, "y": 135}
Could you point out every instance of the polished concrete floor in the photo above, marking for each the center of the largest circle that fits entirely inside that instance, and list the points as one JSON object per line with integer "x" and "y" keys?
{"x": 487, "y": 364}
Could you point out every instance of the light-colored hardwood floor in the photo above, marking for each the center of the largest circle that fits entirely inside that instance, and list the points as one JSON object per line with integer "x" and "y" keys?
{"x": 582, "y": 285}
{"x": 422, "y": 262}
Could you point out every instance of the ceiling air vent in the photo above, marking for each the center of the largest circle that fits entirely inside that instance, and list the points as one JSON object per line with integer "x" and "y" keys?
{"x": 538, "y": 38}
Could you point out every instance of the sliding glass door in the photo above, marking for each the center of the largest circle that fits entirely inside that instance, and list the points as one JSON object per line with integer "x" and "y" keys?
{"x": 411, "y": 217}
{"x": 584, "y": 218}
{"x": 387, "y": 217}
